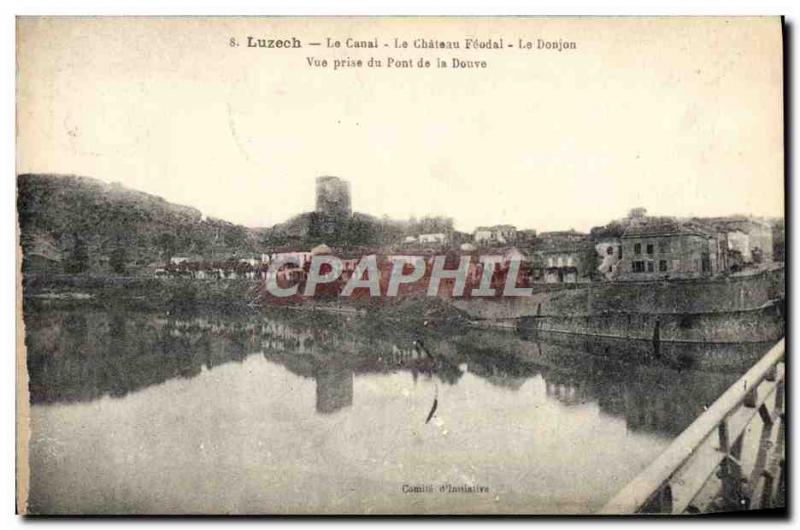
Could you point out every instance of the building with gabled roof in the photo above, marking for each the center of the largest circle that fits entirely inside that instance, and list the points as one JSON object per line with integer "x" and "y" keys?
{"x": 756, "y": 247}
{"x": 495, "y": 235}
{"x": 663, "y": 248}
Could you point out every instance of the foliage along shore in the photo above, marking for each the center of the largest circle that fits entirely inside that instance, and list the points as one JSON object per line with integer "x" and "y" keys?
{"x": 221, "y": 296}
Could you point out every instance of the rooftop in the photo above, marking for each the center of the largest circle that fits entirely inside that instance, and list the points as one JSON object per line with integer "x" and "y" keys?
{"x": 496, "y": 227}
{"x": 665, "y": 226}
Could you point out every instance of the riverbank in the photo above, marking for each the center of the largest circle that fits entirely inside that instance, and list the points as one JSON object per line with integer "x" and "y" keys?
{"x": 404, "y": 322}
{"x": 239, "y": 298}
{"x": 728, "y": 309}
{"x": 138, "y": 292}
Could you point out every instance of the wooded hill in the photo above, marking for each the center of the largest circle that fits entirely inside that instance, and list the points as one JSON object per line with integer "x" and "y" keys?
{"x": 76, "y": 224}
{"x": 79, "y": 224}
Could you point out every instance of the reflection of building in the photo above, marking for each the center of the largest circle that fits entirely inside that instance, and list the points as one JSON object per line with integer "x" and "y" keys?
{"x": 507, "y": 381}
{"x": 566, "y": 391}
{"x": 334, "y": 388}
{"x": 650, "y": 398}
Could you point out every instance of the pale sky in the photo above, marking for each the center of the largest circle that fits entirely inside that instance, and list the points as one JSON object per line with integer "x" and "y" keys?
{"x": 680, "y": 116}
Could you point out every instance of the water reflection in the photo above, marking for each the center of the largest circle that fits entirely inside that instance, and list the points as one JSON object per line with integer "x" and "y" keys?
{"x": 551, "y": 422}
{"x": 84, "y": 356}
{"x": 334, "y": 389}
{"x": 650, "y": 395}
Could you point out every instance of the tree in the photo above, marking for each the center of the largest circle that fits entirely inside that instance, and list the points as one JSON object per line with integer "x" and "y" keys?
{"x": 118, "y": 259}
{"x": 592, "y": 261}
{"x": 235, "y": 237}
{"x": 78, "y": 260}
{"x": 167, "y": 243}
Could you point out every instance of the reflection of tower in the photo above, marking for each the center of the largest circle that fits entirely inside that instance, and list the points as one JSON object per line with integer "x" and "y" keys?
{"x": 567, "y": 392}
{"x": 334, "y": 389}
{"x": 333, "y": 197}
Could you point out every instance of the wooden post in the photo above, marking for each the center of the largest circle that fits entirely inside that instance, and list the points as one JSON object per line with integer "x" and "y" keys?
{"x": 772, "y": 373}
{"x": 765, "y": 415}
{"x": 724, "y": 442}
{"x": 751, "y": 397}
{"x": 665, "y": 500}
{"x": 737, "y": 491}
{"x": 661, "y": 502}
{"x": 767, "y": 491}
{"x": 732, "y": 492}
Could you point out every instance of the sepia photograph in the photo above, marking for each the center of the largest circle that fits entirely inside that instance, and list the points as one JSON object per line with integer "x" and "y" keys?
{"x": 400, "y": 266}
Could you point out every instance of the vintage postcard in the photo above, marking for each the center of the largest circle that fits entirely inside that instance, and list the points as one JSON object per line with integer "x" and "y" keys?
{"x": 404, "y": 265}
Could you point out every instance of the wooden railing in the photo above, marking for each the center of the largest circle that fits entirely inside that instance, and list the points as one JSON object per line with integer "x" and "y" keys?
{"x": 730, "y": 458}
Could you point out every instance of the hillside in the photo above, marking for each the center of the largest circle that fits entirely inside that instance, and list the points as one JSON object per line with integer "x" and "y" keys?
{"x": 72, "y": 224}
{"x": 79, "y": 224}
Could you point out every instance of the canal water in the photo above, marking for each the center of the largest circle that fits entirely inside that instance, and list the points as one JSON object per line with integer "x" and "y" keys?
{"x": 136, "y": 412}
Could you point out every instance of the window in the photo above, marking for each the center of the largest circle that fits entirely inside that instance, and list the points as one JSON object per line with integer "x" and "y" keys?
{"x": 706, "y": 263}
{"x": 664, "y": 246}
{"x": 649, "y": 266}
{"x": 638, "y": 266}
{"x": 637, "y": 248}
{"x": 649, "y": 248}
{"x": 662, "y": 265}
{"x": 610, "y": 251}
{"x": 620, "y": 251}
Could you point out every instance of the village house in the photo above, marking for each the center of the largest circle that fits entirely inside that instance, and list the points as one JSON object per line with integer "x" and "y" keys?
{"x": 349, "y": 267}
{"x": 565, "y": 263}
{"x": 349, "y": 260}
{"x": 739, "y": 252}
{"x": 526, "y": 236}
{"x": 288, "y": 253}
{"x": 746, "y": 236}
{"x": 200, "y": 269}
{"x": 563, "y": 257}
{"x": 495, "y": 235}
{"x": 660, "y": 248}
{"x": 563, "y": 236}
{"x": 439, "y": 238}
{"x": 609, "y": 254}
{"x": 608, "y": 247}
{"x": 508, "y": 256}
